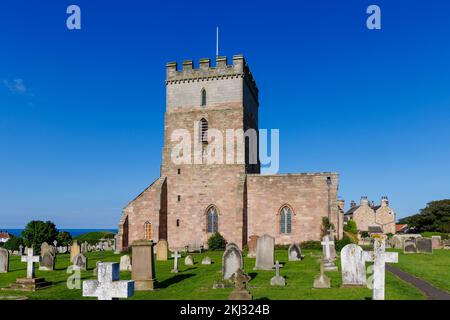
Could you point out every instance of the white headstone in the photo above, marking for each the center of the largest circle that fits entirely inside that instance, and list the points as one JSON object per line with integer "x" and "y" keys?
{"x": 265, "y": 252}
{"x": 231, "y": 261}
{"x": 30, "y": 259}
{"x": 353, "y": 266}
{"x": 4, "y": 260}
{"x": 175, "y": 257}
{"x": 125, "y": 263}
{"x": 108, "y": 286}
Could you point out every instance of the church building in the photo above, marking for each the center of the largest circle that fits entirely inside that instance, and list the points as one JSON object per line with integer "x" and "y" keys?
{"x": 191, "y": 201}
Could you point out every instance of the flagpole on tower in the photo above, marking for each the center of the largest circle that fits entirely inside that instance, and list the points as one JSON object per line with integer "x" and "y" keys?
{"x": 217, "y": 41}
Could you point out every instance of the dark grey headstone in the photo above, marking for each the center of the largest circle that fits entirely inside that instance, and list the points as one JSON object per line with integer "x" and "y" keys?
{"x": 424, "y": 245}
{"x": 410, "y": 246}
{"x": 47, "y": 261}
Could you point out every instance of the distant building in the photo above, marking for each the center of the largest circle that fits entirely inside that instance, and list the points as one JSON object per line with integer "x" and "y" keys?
{"x": 4, "y": 236}
{"x": 371, "y": 218}
{"x": 401, "y": 228}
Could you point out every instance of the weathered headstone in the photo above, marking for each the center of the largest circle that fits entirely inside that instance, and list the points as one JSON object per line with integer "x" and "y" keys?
{"x": 240, "y": 291}
{"x": 79, "y": 262}
{"x": 322, "y": 281}
{"x": 206, "y": 260}
{"x": 162, "y": 249}
{"x": 328, "y": 250}
{"x": 20, "y": 250}
{"x": 379, "y": 257}
{"x": 410, "y": 246}
{"x": 95, "y": 271}
{"x": 437, "y": 242}
{"x": 84, "y": 247}
{"x": 175, "y": 257}
{"x": 143, "y": 271}
{"x": 353, "y": 266}
{"x": 265, "y": 252}
{"x": 4, "y": 260}
{"x": 116, "y": 244}
{"x": 294, "y": 252}
{"x": 74, "y": 249}
{"x": 278, "y": 280}
{"x": 47, "y": 262}
{"x": 108, "y": 285}
{"x": 125, "y": 263}
{"x": 424, "y": 245}
{"x": 231, "y": 261}
{"x": 46, "y": 248}
{"x": 189, "y": 261}
{"x": 252, "y": 243}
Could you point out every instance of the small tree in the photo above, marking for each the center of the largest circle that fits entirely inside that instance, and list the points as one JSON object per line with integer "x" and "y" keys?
{"x": 13, "y": 243}
{"x": 326, "y": 224}
{"x": 64, "y": 238}
{"x": 37, "y": 232}
{"x": 216, "y": 242}
{"x": 351, "y": 227}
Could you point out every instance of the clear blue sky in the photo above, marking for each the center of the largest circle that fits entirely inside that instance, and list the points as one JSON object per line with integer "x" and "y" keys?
{"x": 81, "y": 112}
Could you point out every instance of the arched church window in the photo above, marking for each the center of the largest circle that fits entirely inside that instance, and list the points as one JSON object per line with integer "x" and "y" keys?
{"x": 212, "y": 220}
{"x": 203, "y": 131}
{"x": 203, "y": 97}
{"x": 285, "y": 220}
{"x": 148, "y": 230}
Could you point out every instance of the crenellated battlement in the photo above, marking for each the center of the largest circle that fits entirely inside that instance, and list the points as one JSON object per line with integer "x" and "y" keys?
{"x": 205, "y": 72}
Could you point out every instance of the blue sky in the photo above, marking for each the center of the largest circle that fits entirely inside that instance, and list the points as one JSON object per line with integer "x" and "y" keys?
{"x": 81, "y": 112}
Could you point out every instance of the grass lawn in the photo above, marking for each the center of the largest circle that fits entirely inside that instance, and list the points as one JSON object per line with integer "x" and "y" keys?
{"x": 434, "y": 268}
{"x": 195, "y": 282}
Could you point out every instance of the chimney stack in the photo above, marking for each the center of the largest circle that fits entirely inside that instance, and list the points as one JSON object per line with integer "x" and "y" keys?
{"x": 352, "y": 204}
{"x": 364, "y": 201}
{"x": 384, "y": 201}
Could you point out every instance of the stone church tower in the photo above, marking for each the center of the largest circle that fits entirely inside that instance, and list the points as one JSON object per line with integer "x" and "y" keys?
{"x": 194, "y": 199}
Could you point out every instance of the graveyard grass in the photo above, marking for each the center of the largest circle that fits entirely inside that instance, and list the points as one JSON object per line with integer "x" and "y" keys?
{"x": 433, "y": 268}
{"x": 195, "y": 282}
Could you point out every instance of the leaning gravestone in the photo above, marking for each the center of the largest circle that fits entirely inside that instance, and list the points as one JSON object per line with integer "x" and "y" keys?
{"x": 240, "y": 291}
{"x": 4, "y": 260}
{"x": 108, "y": 286}
{"x": 424, "y": 245}
{"x": 294, "y": 252}
{"x": 125, "y": 263}
{"x": 46, "y": 248}
{"x": 80, "y": 262}
{"x": 162, "y": 250}
{"x": 231, "y": 261}
{"x": 353, "y": 266}
{"x": 143, "y": 271}
{"x": 252, "y": 243}
{"x": 410, "y": 246}
{"x": 74, "y": 249}
{"x": 47, "y": 262}
{"x": 265, "y": 251}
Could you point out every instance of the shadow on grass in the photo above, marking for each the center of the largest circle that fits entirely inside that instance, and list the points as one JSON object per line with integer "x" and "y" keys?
{"x": 252, "y": 275}
{"x": 178, "y": 278}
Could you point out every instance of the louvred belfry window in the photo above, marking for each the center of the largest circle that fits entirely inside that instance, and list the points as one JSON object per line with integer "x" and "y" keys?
{"x": 148, "y": 230}
{"x": 203, "y": 131}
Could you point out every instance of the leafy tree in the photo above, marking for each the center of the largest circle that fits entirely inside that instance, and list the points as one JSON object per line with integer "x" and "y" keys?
{"x": 343, "y": 242}
{"x": 216, "y": 242}
{"x": 364, "y": 234}
{"x": 37, "y": 232}
{"x": 64, "y": 238}
{"x": 434, "y": 217}
{"x": 326, "y": 224}
{"x": 13, "y": 243}
{"x": 351, "y": 227}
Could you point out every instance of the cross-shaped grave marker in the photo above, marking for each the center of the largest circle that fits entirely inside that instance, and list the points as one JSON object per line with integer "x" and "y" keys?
{"x": 30, "y": 260}
{"x": 277, "y": 267}
{"x": 379, "y": 257}
{"x": 175, "y": 256}
{"x": 327, "y": 243}
{"x": 108, "y": 286}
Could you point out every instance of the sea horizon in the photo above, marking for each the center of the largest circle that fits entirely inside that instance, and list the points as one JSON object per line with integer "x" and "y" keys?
{"x": 74, "y": 232}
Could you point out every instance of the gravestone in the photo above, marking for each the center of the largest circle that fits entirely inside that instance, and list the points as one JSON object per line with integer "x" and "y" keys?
{"x": 46, "y": 248}
{"x": 20, "y": 250}
{"x": 175, "y": 257}
{"x": 143, "y": 271}
{"x": 108, "y": 285}
{"x": 189, "y": 261}
{"x": 240, "y": 291}
{"x": 74, "y": 249}
{"x": 162, "y": 249}
{"x": 47, "y": 262}
{"x": 322, "y": 281}
{"x": 79, "y": 262}
{"x": 84, "y": 247}
{"x": 116, "y": 244}
{"x": 437, "y": 242}
{"x": 206, "y": 260}
{"x": 380, "y": 257}
{"x": 125, "y": 263}
{"x": 55, "y": 244}
{"x": 328, "y": 249}
{"x": 353, "y": 266}
{"x": 294, "y": 252}
{"x": 252, "y": 243}
{"x": 265, "y": 252}
{"x": 95, "y": 271}
{"x": 277, "y": 280}
{"x": 4, "y": 260}
{"x": 446, "y": 244}
{"x": 231, "y": 261}
{"x": 410, "y": 246}
{"x": 424, "y": 245}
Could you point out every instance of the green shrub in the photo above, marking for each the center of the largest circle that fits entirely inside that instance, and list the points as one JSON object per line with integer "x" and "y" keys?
{"x": 13, "y": 243}
{"x": 311, "y": 245}
{"x": 364, "y": 234}
{"x": 343, "y": 242}
{"x": 429, "y": 234}
{"x": 94, "y": 237}
{"x": 64, "y": 238}
{"x": 351, "y": 227}
{"x": 216, "y": 242}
